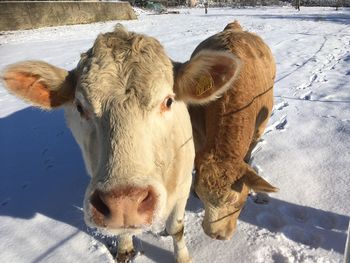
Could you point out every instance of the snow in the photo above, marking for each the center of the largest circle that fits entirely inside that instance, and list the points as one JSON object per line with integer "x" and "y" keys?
{"x": 304, "y": 152}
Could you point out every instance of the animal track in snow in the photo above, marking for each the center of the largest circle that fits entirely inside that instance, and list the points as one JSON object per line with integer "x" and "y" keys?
{"x": 282, "y": 123}
{"x": 25, "y": 186}
{"x": 304, "y": 225}
{"x": 312, "y": 79}
{"x": 280, "y": 105}
{"x": 306, "y": 96}
{"x": 270, "y": 221}
{"x": 280, "y": 254}
{"x": 5, "y": 202}
{"x": 297, "y": 213}
{"x": 48, "y": 162}
{"x": 44, "y": 151}
{"x": 302, "y": 235}
{"x": 334, "y": 117}
{"x": 278, "y": 125}
{"x": 325, "y": 222}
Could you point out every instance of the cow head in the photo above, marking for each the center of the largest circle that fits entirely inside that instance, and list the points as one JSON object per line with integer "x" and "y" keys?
{"x": 126, "y": 110}
{"x": 223, "y": 186}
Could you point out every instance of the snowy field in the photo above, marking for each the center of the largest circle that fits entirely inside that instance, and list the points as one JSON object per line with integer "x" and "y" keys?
{"x": 305, "y": 151}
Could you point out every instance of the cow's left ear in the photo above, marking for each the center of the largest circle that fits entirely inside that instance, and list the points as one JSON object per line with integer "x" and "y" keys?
{"x": 257, "y": 183}
{"x": 205, "y": 77}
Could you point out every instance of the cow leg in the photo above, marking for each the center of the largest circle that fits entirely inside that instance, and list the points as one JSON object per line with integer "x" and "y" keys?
{"x": 175, "y": 227}
{"x": 126, "y": 250}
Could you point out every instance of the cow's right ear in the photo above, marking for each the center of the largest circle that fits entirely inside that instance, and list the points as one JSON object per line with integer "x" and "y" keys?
{"x": 205, "y": 76}
{"x": 40, "y": 83}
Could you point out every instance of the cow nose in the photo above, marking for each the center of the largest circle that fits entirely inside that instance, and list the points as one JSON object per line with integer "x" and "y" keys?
{"x": 128, "y": 207}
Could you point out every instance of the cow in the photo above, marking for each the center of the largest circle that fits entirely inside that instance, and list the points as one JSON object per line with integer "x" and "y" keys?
{"x": 226, "y": 130}
{"x": 127, "y": 111}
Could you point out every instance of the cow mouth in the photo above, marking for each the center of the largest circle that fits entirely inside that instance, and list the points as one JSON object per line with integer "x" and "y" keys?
{"x": 223, "y": 227}
{"x": 109, "y": 226}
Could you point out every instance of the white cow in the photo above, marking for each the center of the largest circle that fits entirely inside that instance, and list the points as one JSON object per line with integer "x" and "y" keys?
{"x": 128, "y": 114}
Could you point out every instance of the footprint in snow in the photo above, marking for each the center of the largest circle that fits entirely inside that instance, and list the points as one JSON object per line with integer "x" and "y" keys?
{"x": 304, "y": 225}
{"x": 312, "y": 78}
{"x": 282, "y": 123}
{"x": 44, "y": 151}
{"x": 48, "y": 162}
{"x": 5, "y": 202}
{"x": 306, "y": 96}
{"x": 270, "y": 221}
{"x": 302, "y": 235}
{"x": 297, "y": 213}
{"x": 278, "y": 125}
{"x": 280, "y": 105}
{"x": 25, "y": 186}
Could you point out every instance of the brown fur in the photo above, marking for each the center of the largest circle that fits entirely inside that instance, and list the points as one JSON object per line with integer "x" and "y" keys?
{"x": 226, "y": 130}
{"x": 230, "y": 125}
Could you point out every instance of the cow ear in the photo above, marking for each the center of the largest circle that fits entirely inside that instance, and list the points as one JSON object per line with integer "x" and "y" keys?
{"x": 257, "y": 183}
{"x": 205, "y": 77}
{"x": 39, "y": 83}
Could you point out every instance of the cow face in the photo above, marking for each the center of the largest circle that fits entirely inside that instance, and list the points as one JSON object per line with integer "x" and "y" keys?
{"x": 223, "y": 186}
{"x": 126, "y": 121}
{"x": 126, "y": 110}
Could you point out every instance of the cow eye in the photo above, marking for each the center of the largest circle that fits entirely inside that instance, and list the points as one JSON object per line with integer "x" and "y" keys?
{"x": 169, "y": 101}
{"x": 80, "y": 108}
{"x": 166, "y": 105}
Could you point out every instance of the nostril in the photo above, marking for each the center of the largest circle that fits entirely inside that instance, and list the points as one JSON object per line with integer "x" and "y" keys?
{"x": 97, "y": 202}
{"x": 147, "y": 203}
{"x": 147, "y": 198}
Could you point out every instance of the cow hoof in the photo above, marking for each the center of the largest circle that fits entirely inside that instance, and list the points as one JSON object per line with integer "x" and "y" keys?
{"x": 126, "y": 257}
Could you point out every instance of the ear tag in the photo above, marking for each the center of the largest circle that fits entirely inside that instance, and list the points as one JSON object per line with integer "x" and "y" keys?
{"x": 204, "y": 84}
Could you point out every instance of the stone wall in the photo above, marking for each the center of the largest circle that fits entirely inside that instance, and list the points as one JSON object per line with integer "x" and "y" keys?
{"x": 28, "y": 15}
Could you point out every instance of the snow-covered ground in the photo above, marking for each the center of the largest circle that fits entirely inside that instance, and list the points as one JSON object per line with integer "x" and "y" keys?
{"x": 305, "y": 151}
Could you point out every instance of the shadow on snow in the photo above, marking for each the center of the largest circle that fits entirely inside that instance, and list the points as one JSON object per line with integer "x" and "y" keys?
{"x": 43, "y": 172}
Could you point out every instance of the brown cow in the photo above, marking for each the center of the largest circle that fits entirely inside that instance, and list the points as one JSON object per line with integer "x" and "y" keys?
{"x": 226, "y": 130}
